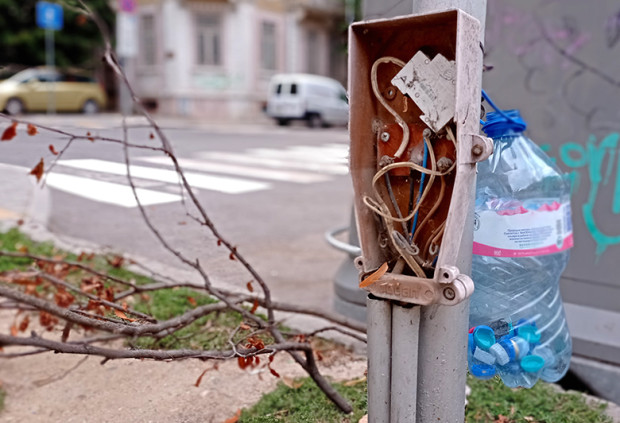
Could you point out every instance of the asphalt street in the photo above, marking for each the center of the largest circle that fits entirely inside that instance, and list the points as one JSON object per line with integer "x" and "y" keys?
{"x": 273, "y": 192}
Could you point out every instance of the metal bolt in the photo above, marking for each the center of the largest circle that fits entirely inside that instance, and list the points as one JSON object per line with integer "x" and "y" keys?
{"x": 385, "y": 136}
{"x": 390, "y": 93}
{"x": 449, "y": 294}
{"x": 477, "y": 150}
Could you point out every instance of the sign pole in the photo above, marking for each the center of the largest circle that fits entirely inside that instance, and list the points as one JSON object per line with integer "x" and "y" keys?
{"x": 49, "y": 61}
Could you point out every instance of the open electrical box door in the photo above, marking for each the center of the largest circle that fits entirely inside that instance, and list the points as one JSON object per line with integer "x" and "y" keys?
{"x": 414, "y": 125}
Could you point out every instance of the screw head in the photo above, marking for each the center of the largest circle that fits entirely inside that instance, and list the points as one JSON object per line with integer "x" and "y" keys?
{"x": 385, "y": 136}
{"x": 449, "y": 293}
{"x": 476, "y": 150}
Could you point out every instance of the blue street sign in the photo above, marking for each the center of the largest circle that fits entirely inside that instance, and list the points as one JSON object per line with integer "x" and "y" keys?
{"x": 49, "y": 15}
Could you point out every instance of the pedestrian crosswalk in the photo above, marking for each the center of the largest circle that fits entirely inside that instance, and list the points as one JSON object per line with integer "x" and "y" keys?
{"x": 253, "y": 170}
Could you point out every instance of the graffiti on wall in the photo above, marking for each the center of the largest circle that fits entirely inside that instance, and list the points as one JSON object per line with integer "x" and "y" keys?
{"x": 573, "y": 90}
{"x": 598, "y": 161}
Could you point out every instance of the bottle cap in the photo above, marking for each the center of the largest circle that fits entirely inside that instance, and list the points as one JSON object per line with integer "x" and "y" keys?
{"x": 501, "y": 356}
{"x": 529, "y": 333}
{"x": 471, "y": 343}
{"x": 484, "y": 337}
{"x": 484, "y": 356}
{"x": 532, "y": 363}
{"x": 499, "y": 123}
{"x": 482, "y": 371}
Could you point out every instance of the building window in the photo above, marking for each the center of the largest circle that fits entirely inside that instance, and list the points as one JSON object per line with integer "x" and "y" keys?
{"x": 268, "y": 46}
{"x": 148, "y": 46}
{"x": 209, "y": 41}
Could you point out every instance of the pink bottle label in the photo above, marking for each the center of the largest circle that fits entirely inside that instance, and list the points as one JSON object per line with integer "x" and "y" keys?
{"x": 520, "y": 232}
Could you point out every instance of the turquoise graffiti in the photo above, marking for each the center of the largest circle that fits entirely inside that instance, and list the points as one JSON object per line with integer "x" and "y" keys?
{"x": 596, "y": 160}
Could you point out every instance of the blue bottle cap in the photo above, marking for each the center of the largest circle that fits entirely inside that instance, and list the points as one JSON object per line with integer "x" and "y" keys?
{"x": 529, "y": 333}
{"x": 532, "y": 363}
{"x": 509, "y": 346}
{"x": 484, "y": 337}
{"x": 471, "y": 343}
{"x": 499, "y": 123}
{"x": 482, "y": 371}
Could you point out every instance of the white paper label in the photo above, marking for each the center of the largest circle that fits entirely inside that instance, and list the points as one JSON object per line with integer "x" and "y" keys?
{"x": 521, "y": 232}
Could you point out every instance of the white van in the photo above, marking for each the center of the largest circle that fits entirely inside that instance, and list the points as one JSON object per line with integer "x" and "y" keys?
{"x": 318, "y": 100}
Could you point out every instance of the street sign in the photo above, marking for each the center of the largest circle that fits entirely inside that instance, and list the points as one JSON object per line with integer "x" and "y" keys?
{"x": 49, "y": 15}
{"x": 128, "y": 6}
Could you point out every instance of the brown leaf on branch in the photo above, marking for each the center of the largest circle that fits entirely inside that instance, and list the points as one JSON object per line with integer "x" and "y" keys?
{"x": 249, "y": 286}
{"x": 254, "y": 306}
{"x": 63, "y": 298}
{"x": 273, "y": 372}
{"x": 10, "y": 132}
{"x": 192, "y": 301}
{"x": 235, "y": 418}
{"x": 24, "y": 324}
{"x": 47, "y": 320}
{"x": 13, "y": 329}
{"x": 53, "y": 149}
{"x": 244, "y": 326}
{"x": 254, "y": 342}
{"x": 38, "y": 170}
{"x": 122, "y": 315}
{"x": 31, "y": 130}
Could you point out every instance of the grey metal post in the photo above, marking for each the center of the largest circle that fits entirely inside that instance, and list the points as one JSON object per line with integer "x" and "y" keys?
{"x": 405, "y": 328}
{"x": 442, "y": 365}
{"x": 379, "y": 340}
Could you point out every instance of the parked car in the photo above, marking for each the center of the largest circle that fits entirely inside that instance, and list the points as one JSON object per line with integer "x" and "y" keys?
{"x": 31, "y": 90}
{"x": 318, "y": 100}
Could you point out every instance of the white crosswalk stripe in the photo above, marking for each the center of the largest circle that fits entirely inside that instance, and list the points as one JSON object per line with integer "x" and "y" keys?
{"x": 230, "y": 173}
{"x": 107, "y": 192}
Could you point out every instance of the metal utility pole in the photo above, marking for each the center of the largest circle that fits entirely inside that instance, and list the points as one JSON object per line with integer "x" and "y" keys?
{"x": 417, "y": 353}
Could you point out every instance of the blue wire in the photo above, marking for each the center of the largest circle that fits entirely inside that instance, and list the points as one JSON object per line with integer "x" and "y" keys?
{"x": 424, "y": 161}
{"x": 497, "y": 109}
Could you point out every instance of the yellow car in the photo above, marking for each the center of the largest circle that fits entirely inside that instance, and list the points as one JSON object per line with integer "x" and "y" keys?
{"x": 34, "y": 89}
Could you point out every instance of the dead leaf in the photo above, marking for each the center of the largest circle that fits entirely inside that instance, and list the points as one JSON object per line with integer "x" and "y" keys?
{"x": 47, "y": 320}
{"x": 38, "y": 170}
{"x": 249, "y": 286}
{"x": 254, "y": 342}
{"x": 116, "y": 261}
{"x": 219, "y": 242}
{"x": 63, "y": 298}
{"x": 10, "y": 132}
{"x": 502, "y": 419}
{"x": 53, "y": 149}
{"x": 254, "y": 306}
{"x": 235, "y": 418}
{"x": 151, "y": 136}
{"x": 20, "y": 222}
{"x": 231, "y": 256}
{"x": 199, "y": 380}
{"x": 244, "y": 326}
{"x": 122, "y": 315}
{"x": 192, "y": 301}
{"x": 24, "y": 324}
{"x": 374, "y": 276}
{"x": 13, "y": 329}
{"x": 273, "y": 372}
{"x": 291, "y": 383}
{"x": 31, "y": 129}
{"x": 355, "y": 381}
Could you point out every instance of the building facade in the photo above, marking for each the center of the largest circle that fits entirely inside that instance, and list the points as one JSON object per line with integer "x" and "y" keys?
{"x": 213, "y": 58}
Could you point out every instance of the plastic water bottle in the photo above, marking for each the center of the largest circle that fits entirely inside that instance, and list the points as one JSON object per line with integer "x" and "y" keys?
{"x": 522, "y": 237}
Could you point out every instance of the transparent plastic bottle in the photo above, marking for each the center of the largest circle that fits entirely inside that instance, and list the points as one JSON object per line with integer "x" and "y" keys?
{"x": 522, "y": 236}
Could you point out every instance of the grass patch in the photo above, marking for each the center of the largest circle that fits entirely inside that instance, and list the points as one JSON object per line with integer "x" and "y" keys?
{"x": 306, "y": 404}
{"x": 2, "y": 396}
{"x": 488, "y": 402}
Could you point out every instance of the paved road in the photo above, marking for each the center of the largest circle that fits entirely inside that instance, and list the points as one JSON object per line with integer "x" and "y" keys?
{"x": 272, "y": 191}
